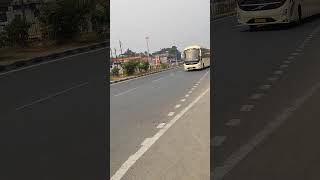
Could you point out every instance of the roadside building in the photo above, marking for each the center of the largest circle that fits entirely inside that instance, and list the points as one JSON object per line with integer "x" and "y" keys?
{"x": 168, "y": 55}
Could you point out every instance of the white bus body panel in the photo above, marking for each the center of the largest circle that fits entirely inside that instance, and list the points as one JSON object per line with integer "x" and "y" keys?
{"x": 287, "y": 13}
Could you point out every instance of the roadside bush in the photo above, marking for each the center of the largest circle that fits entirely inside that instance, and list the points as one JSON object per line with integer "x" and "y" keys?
{"x": 164, "y": 66}
{"x": 143, "y": 66}
{"x": 115, "y": 71}
{"x": 16, "y": 33}
{"x": 130, "y": 67}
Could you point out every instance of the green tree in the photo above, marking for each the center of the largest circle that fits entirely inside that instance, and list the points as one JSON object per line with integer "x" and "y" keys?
{"x": 100, "y": 18}
{"x": 16, "y": 33}
{"x": 64, "y": 19}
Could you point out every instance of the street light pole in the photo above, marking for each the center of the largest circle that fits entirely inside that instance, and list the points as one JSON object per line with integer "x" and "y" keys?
{"x": 176, "y": 52}
{"x": 147, "y": 40}
{"x": 115, "y": 52}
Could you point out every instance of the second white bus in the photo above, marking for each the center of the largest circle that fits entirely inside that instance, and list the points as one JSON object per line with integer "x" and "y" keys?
{"x": 196, "y": 57}
{"x": 263, "y": 12}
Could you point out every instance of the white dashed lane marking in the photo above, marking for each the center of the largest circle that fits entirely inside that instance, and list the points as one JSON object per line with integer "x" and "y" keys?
{"x": 183, "y": 100}
{"x": 257, "y": 96}
{"x": 125, "y": 92}
{"x": 171, "y": 114}
{"x": 218, "y": 140}
{"x": 265, "y": 87}
{"x": 273, "y": 79}
{"x": 237, "y": 156}
{"x": 278, "y": 72}
{"x": 177, "y": 106}
{"x": 187, "y": 95}
{"x": 233, "y": 122}
{"x": 295, "y": 54}
{"x": 247, "y": 108}
{"x": 284, "y": 66}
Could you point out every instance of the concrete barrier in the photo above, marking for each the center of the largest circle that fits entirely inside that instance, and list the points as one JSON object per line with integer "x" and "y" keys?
{"x": 146, "y": 74}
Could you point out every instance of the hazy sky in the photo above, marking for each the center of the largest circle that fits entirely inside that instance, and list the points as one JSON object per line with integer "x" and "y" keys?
{"x": 166, "y": 22}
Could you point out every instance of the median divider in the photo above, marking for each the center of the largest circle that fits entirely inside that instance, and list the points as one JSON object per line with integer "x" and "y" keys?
{"x": 146, "y": 74}
{"x": 31, "y": 61}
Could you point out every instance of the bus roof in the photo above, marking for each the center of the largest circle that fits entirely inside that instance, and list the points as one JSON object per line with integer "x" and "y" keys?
{"x": 193, "y": 47}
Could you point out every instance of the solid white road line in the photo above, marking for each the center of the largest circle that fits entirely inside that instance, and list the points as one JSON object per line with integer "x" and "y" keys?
{"x": 218, "y": 140}
{"x": 236, "y": 157}
{"x": 161, "y": 125}
{"x": 52, "y": 95}
{"x": 204, "y": 76}
{"x": 233, "y": 122}
{"x": 145, "y": 141}
{"x": 125, "y": 92}
{"x": 247, "y": 108}
{"x": 147, "y": 145}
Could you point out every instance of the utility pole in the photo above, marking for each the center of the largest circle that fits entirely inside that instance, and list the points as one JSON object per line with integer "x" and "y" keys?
{"x": 120, "y": 46}
{"x": 111, "y": 56}
{"x": 176, "y": 52}
{"x": 147, "y": 40}
{"x": 115, "y": 52}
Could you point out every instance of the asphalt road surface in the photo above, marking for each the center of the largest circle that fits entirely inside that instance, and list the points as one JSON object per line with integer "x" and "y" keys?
{"x": 142, "y": 108}
{"x": 53, "y": 119}
{"x": 267, "y": 94}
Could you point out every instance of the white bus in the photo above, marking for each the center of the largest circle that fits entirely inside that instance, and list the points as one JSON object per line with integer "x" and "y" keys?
{"x": 263, "y": 12}
{"x": 196, "y": 57}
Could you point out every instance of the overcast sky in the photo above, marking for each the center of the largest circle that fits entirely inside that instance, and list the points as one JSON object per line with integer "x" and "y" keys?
{"x": 165, "y": 22}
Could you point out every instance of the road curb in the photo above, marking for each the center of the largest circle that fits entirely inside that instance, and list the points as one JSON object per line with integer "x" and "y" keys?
{"x": 126, "y": 79}
{"x": 68, "y": 52}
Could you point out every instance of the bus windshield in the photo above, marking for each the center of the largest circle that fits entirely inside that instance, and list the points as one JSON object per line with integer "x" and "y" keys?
{"x": 192, "y": 55}
{"x": 241, "y": 2}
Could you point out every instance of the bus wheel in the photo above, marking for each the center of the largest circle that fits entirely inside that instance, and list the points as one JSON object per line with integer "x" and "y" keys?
{"x": 202, "y": 65}
{"x": 300, "y": 15}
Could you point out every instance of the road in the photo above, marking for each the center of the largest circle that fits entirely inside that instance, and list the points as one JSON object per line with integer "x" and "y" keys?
{"x": 265, "y": 117}
{"x": 53, "y": 119}
{"x": 141, "y": 111}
